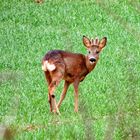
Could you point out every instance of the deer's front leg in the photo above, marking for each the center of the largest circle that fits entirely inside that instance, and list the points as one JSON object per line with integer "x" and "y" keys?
{"x": 76, "y": 84}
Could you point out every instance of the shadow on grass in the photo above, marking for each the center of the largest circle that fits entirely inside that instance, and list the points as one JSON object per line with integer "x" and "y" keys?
{"x": 6, "y": 132}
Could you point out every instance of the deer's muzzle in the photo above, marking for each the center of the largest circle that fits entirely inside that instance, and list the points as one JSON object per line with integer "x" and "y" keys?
{"x": 92, "y": 59}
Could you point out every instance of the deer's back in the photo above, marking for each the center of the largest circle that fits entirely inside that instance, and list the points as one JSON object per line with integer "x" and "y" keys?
{"x": 74, "y": 64}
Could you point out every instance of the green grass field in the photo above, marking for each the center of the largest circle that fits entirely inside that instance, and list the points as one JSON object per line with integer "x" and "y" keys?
{"x": 109, "y": 98}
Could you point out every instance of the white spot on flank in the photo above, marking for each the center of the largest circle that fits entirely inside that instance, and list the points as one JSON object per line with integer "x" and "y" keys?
{"x": 47, "y": 66}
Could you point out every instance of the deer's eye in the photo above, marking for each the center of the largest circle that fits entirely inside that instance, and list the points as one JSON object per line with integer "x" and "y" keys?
{"x": 97, "y": 52}
{"x": 89, "y": 52}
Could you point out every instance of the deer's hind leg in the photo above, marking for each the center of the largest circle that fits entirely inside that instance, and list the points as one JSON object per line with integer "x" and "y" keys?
{"x": 56, "y": 77}
{"x": 48, "y": 78}
{"x": 63, "y": 94}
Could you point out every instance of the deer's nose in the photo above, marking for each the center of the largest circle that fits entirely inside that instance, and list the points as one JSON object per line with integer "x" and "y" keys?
{"x": 92, "y": 59}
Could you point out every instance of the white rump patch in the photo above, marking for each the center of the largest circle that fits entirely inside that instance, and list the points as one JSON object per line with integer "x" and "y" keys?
{"x": 47, "y": 66}
{"x": 44, "y": 68}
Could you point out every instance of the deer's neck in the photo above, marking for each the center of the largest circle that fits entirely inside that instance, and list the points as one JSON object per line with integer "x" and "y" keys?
{"x": 89, "y": 66}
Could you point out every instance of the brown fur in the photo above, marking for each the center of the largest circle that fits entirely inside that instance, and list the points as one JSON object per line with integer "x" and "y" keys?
{"x": 71, "y": 67}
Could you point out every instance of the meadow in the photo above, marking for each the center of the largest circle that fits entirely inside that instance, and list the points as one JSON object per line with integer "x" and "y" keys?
{"x": 109, "y": 98}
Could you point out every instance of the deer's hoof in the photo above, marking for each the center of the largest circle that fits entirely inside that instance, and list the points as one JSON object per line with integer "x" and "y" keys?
{"x": 56, "y": 112}
{"x": 76, "y": 110}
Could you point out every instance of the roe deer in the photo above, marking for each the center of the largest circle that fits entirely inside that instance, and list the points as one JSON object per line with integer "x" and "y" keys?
{"x": 71, "y": 67}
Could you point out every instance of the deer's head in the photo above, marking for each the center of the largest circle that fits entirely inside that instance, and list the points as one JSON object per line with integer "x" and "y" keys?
{"x": 94, "y": 47}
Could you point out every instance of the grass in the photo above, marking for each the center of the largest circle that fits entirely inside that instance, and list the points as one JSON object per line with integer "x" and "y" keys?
{"x": 109, "y": 96}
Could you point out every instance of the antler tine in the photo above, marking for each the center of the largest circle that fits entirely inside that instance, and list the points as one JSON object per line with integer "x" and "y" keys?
{"x": 95, "y": 41}
{"x": 92, "y": 41}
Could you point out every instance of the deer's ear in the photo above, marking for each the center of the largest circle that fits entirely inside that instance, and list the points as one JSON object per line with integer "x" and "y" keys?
{"x": 86, "y": 42}
{"x": 103, "y": 42}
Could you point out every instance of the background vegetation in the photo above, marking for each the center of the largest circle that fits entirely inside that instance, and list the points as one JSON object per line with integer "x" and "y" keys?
{"x": 109, "y": 96}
